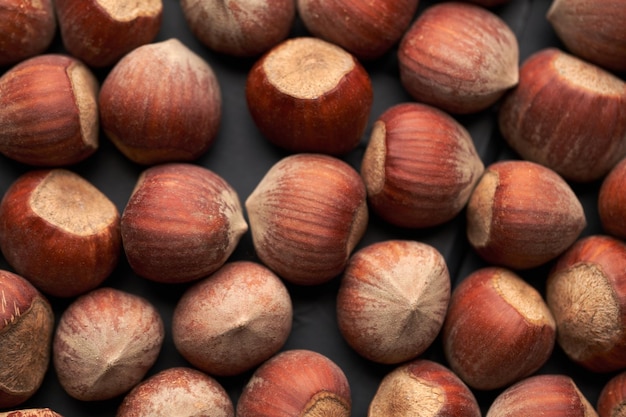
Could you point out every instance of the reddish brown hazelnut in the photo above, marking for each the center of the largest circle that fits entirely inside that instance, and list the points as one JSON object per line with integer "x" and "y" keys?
{"x": 105, "y": 343}
{"x": 566, "y": 114}
{"x": 48, "y": 111}
{"x": 181, "y": 223}
{"x": 366, "y": 29}
{"x": 212, "y": 330}
{"x": 309, "y": 95}
{"x": 161, "y": 103}
{"x": 59, "y": 231}
{"x": 522, "y": 215}
{"x": 100, "y": 32}
{"x": 307, "y": 214}
{"x": 459, "y": 57}
{"x": 498, "y": 329}
{"x": 420, "y": 166}
{"x": 26, "y": 327}
{"x": 296, "y": 383}
{"x": 586, "y": 291}
{"x": 612, "y": 397}
{"x": 393, "y": 299}
{"x": 240, "y": 27}
{"x": 612, "y": 201}
{"x": 423, "y": 388}
{"x": 31, "y": 412}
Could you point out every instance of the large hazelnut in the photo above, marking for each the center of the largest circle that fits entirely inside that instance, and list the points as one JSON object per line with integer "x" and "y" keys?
{"x": 161, "y": 103}
{"x": 59, "y": 231}
{"x": 181, "y": 223}
{"x": 612, "y": 201}
{"x": 612, "y": 397}
{"x": 306, "y": 216}
{"x": 365, "y": 29}
{"x": 309, "y": 95}
{"x": 522, "y": 215}
{"x": 31, "y": 412}
{"x": 420, "y": 166}
{"x": 393, "y": 299}
{"x": 459, "y": 57}
{"x": 100, "y": 32}
{"x": 566, "y": 114}
{"x": 26, "y": 327}
{"x": 48, "y": 111}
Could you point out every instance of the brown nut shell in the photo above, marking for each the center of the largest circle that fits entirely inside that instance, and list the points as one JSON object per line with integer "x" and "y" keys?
{"x": 612, "y": 201}
{"x": 31, "y": 412}
{"x": 612, "y": 397}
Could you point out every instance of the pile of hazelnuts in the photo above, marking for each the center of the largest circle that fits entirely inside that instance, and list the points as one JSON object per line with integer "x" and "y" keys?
{"x": 83, "y": 77}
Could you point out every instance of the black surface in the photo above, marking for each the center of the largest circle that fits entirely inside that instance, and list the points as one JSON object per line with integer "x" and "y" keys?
{"x": 242, "y": 157}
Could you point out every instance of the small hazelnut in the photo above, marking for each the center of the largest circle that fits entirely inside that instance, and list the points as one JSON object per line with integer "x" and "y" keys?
{"x": 49, "y": 111}
{"x": 612, "y": 397}
{"x": 105, "y": 343}
{"x": 26, "y": 327}
{"x": 306, "y": 216}
{"x": 612, "y": 201}
{"x": 31, "y": 412}
{"x": 392, "y": 300}
{"x": 459, "y": 57}
{"x": 420, "y": 166}
{"x": 309, "y": 95}
{"x": 161, "y": 103}
{"x": 181, "y": 223}
{"x": 296, "y": 383}
{"x": 522, "y": 215}
{"x": 59, "y": 231}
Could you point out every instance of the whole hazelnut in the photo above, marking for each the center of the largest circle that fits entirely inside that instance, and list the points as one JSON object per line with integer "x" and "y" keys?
{"x": 31, "y": 412}
{"x": 586, "y": 291}
{"x": 612, "y": 201}
{"x": 392, "y": 300}
{"x": 566, "y": 114}
{"x": 100, "y": 32}
{"x": 498, "y": 329}
{"x": 592, "y": 30}
{"x": 551, "y": 395}
{"x": 309, "y": 95}
{"x": 420, "y": 166}
{"x": 27, "y": 29}
{"x": 296, "y": 383}
{"x": 233, "y": 320}
{"x": 178, "y": 391}
{"x": 366, "y": 29}
{"x": 49, "y": 111}
{"x": 59, "y": 231}
{"x": 522, "y": 215}
{"x": 306, "y": 216}
{"x": 105, "y": 343}
{"x": 459, "y": 57}
{"x": 161, "y": 103}
{"x": 423, "y": 388}
{"x": 181, "y": 223}
{"x": 612, "y": 397}
{"x": 26, "y": 327}
{"x": 240, "y": 27}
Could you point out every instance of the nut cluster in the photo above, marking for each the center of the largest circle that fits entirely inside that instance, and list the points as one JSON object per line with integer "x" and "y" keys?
{"x": 197, "y": 198}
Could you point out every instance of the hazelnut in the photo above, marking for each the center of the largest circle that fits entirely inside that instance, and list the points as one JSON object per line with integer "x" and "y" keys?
{"x": 181, "y": 223}
{"x": 612, "y": 397}
{"x": 393, "y": 299}
{"x": 48, "y": 111}
{"x": 31, "y": 412}
{"x": 498, "y": 329}
{"x": 566, "y": 114}
{"x": 240, "y": 27}
{"x": 586, "y": 291}
{"x": 612, "y": 201}
{"x": 522, "y": 215}
{"x": 420, "y": 166}
{"x": 105, "y": 343}
{"x": 309, "y": 95}
{"x": 423, "y": 388}
{"x": 366, "y": 29}
{"x": 178, "y": 391}
{"x": 27, "y": 29}
{"x": 306, "y": 216}
{"x": 26, "y": 327}
{"x": 296, "y": 383}
{"x": 161, "y": 103}
{"x": 100, "y": 32}
{"x": 59, "y": 231}
{"x": 215, "y": 334}
{"x": 459, "y": 57}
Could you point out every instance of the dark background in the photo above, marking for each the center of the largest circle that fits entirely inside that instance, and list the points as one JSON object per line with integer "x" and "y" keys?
{"x": 242, "y": 156}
